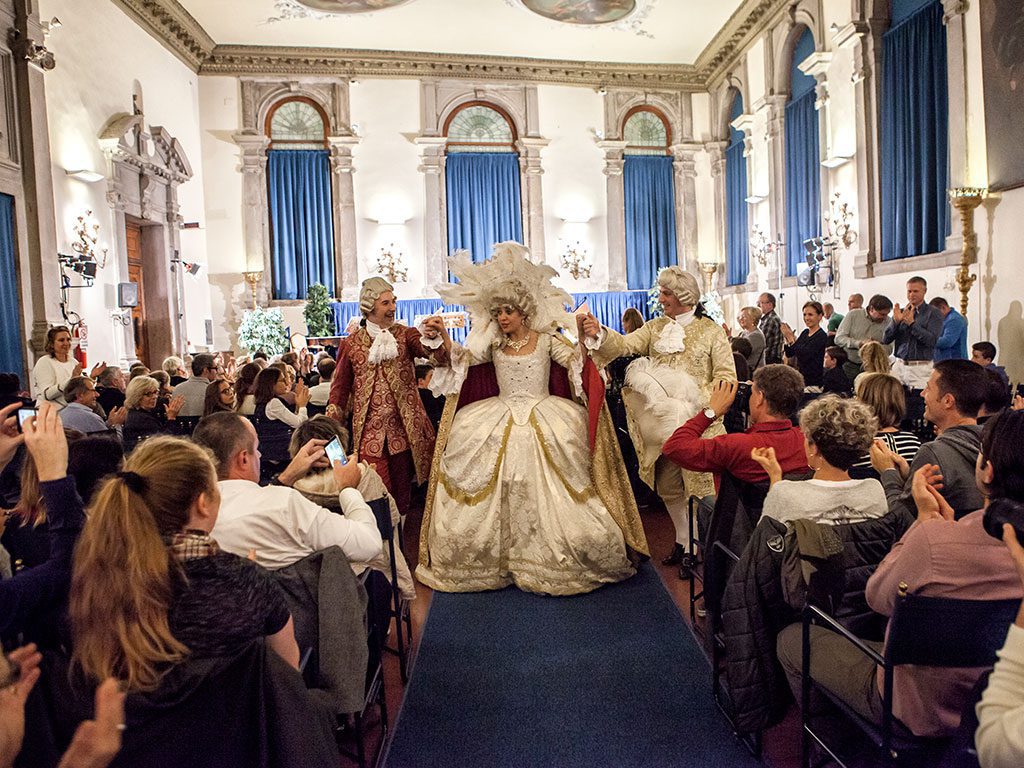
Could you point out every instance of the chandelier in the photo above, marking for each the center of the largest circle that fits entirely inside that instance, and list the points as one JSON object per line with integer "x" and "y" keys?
{"x": 87, "y": 230}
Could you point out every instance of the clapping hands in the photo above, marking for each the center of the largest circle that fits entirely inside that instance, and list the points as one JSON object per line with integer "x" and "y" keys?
{"x": 925, "y": 490}
{"x": 769, "y": 463}
{"x": 882, "y": 459}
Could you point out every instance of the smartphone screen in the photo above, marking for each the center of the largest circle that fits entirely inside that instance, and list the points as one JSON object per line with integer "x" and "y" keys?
{"x": 23, "y": 415}
{"x": 335, "y": 452}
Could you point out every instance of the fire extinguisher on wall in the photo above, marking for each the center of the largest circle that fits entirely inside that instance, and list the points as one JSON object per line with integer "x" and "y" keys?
{"x": 80, "y": 342}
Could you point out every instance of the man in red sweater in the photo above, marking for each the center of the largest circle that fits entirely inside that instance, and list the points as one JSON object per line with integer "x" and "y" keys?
{"x": 774, "y": 398}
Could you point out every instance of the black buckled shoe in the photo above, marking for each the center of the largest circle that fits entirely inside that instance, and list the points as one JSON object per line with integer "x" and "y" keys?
{"x": 686, "y": 565}
{"x": 676, "y": 557}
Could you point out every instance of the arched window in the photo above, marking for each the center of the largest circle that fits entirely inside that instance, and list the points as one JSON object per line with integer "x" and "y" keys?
{"x": 649, "y": 196}
{"x": 914, "y": 110}
{"x": 481, "y": 179}
{"x": 299, "y": 192}
{"x": 803, "y": 168}
{"x": 646, "y": 132}
{"x": 737, "y": 240}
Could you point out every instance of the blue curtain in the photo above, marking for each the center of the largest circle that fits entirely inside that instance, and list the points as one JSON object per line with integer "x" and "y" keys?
{"x": 483, "y": 201}
{"x": 737, "y": 247}
{"x": 803, "y": 197}
{"x": 650, "y": 218}
{"x": 915, "y": 141}
{"x": 608, "y": 306}
{"x": 301, "y": 223}
{"x": 11, "y": 346}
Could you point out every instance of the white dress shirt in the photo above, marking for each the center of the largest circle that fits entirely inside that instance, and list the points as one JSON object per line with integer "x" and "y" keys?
{"x": 283, "y": 526}
{"x": 276, "y": 409}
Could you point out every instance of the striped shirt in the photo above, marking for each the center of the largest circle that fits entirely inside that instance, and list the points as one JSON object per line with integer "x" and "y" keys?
{"x": 906, "y": 444}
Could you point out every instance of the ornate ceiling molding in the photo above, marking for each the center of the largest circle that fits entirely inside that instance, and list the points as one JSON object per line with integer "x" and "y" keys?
{"x": 265, "y": 60}
{"x": 170, "y": 23}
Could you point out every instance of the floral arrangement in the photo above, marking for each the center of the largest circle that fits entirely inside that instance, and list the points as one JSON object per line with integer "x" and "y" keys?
{"x": 263, "y": 330}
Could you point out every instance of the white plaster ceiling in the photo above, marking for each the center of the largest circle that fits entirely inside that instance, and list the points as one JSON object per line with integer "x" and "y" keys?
{"x": 658, "y": 31}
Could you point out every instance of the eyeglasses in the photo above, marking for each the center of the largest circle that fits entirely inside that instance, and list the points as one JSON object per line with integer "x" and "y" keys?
{"x": 226, "y": 390}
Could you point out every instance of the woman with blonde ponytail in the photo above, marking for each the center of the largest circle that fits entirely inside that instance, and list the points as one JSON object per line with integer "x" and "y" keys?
{"x": 150, "y": 586}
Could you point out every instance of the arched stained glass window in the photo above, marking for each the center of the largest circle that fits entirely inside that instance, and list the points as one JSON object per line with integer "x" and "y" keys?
{"x": 297, "y": 124}
{"x": 479, "y": 128}
{"x": 646, "y": 133}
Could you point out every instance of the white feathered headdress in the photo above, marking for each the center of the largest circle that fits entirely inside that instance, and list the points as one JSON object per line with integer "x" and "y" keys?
{"x": 507, "y": 275}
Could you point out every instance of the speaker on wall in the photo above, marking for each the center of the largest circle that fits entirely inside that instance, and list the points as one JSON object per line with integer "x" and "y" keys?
{"x": 127, "y": 295}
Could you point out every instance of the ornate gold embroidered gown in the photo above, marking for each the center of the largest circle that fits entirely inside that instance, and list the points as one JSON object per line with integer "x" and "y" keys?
{"x": 514, "y": 501}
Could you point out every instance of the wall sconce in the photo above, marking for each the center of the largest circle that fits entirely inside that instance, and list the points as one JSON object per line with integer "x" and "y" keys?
{"x": 834, "y": 161}
{"x": 576, "y": 260}
{"x": 391, "y": 262}
{"x": 87, "y": 231}
{"x": 83, "y": 174}
{"x": 837, "y": 224}
{"x": 755, "y": 199}
{"x": 965, "y": 200}
{"x": 763, "y": 249}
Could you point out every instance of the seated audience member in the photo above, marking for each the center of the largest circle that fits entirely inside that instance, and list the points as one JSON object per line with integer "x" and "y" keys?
{"x": 885, "y": 396}
{"x": 277, "y": 522}
{"x": 997, "y": 396}
{"x": 834, "y": 380}
{"x": 432, "y": 404}
{"x": 318, "y": 394}
{"x": 41, "y": 589}
{"x": 984, "y": 354}
{"x": 220, "y": 396}
{"x": 137, "y": 369}
{"x": 809, "y": 349}
{"x": 132, "y": 616}
{"x": 193, "y": 390}
{"x": 874, "y": 359}
{"x": 837, "y": 431}
{"x": 143, "y": 419}
{"x": 110, "y": 384}
{"x": 741, "y": 351}
{"x": 175, "y": 370}
{"x": 288, "y": 396}
{"x": 861, "y": 326}
{"x": 952, "y": 398}
{"x": 79, "y": 413}
{"x": 748, "y": 319}
{"x": 274, "y": 419}
{"x": 774, "y": 396}
{"x": 91, "y": 460}
{"x": 938, "y": 557}
{"x": 1001, "y": 710}
{"x": 245, "y": 388}
{"x": 952, "y": 342}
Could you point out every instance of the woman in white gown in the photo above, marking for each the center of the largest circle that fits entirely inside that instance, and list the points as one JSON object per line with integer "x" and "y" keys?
{"x": 513, "y": 497}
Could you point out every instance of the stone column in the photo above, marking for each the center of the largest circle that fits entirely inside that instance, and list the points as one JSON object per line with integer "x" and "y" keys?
{"x": 616, "y": 215}
{"x": 777, "y": 178}
{"x": 346, "y": 257}
{"x": 254, "y": 210}
{"x": 532, "y": 196}
{"x": 961, "y": 174}
{"x": 685, "y": 166}
{"x": 40, "y": 274}
{"x": 716, "y": 151}
{"x": 435, "y": 239}
{"x": 865, "y": 38}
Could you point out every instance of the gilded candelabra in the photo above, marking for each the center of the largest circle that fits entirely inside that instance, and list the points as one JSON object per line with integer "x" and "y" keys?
{"x": 87, "y": 230}
{"x": 253, "y": 279}
{"x": 837, "y": 223}
{"x": 708, "y": 269}
{"x": 965, "y": 200}
{"x": 391, "y": 262}
{"x": 763, "y": 249}
{"x": 576, "y": 260}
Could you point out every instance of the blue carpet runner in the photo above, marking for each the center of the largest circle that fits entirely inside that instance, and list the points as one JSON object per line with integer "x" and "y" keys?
{"x": 612, "y": 678}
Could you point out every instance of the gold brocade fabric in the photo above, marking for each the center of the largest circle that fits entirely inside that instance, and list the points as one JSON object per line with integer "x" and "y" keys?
{"x": 521, "y": 498}
{"x": 707, "y": 357}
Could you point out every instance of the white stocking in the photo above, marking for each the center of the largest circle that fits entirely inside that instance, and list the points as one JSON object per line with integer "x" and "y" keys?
{"x": 679, "y": 511}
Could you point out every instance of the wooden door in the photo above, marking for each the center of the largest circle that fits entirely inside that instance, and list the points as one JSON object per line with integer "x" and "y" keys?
{"x": 133, "y": 239}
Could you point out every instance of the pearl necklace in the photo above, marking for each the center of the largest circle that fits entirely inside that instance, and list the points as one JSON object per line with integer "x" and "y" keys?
{"x": 517, "y": 345}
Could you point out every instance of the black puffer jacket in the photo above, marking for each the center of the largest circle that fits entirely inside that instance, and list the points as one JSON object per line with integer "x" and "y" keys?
{"x": 754, "y": 611}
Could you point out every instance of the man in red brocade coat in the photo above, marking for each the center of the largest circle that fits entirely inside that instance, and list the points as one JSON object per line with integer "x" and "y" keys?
{"x": 376, "y": 381}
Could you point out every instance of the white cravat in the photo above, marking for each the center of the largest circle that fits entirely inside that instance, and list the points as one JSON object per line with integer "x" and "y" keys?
{"x": 384, "y": 347}
{"x": 685, "y": 318}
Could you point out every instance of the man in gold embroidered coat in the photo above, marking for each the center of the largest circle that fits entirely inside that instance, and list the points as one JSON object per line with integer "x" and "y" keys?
{"x": 683, "y": 339}
{"x": 375, "y": 380}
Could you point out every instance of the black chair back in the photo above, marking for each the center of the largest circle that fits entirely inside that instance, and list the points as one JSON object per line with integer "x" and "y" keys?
{"x": 948, "y": 632}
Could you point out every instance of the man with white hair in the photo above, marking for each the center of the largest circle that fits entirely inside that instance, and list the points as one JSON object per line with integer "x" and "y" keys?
{"x": 174, "y": 368}
{"x": 688, "y": 344}
{"x": 375, "y": 380}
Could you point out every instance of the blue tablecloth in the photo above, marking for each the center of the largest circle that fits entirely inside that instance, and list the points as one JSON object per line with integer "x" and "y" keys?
{"x": 607, "y": 307}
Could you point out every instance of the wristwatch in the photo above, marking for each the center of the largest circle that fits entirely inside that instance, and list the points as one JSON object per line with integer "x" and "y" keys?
{"x": 710, "y": 413}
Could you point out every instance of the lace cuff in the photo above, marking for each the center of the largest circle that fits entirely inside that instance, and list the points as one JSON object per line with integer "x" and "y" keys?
{"x": 448, "y": 380}
{"x": 575, "y": 369}
{"x": 593, "y": 344}
{"x": 427, "y": 342}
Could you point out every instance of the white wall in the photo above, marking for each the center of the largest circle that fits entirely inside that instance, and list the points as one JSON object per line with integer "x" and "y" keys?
{"x": 101, "y": 54}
